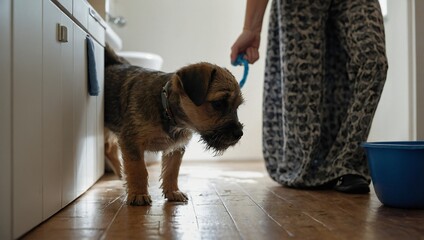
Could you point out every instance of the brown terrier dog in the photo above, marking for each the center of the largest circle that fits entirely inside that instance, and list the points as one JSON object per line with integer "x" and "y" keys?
{"x": 149, "y": 110}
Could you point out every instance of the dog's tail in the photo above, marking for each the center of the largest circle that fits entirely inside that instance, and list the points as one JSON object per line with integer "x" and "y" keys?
{"x": 111, "y": 58}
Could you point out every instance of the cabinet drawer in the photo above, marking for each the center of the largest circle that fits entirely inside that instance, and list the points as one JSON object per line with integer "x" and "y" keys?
{"x": 80, "y": 12}
{"x": 95, "y": 27}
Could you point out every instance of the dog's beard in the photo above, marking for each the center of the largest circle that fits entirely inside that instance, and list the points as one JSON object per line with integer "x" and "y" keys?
{"x": 219, "y": 139}
{"x": 213, "y": 144}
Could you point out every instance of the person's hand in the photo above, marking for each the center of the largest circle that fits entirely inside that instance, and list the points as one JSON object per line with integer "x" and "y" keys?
{"x": 248, "y": 43}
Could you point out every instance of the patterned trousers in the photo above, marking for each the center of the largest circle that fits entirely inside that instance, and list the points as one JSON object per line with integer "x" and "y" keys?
{"x": 325, "y": 71}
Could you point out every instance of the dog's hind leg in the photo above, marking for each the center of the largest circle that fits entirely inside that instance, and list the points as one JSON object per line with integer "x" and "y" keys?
{"x": 112, "y": 152}
{"x": 170, "y": 169}
{"x": 136, "y": 176}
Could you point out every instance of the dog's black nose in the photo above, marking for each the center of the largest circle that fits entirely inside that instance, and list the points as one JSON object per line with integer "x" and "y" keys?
{"x": 237, "y": 133}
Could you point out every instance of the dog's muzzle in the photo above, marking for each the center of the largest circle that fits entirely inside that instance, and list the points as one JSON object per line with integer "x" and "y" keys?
{"x": 222, "y": 137}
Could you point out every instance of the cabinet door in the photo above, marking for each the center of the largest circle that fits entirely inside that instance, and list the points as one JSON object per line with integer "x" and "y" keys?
{"x": 58, "y": 111}
{"x": 52, "y": 140}
{"x": 100, "y": 111}
{"x": 95, "y": 119}
{"x": 80, "y": 110}
{"x": 27, "y": 115}
{"x": 68, "y": 136}
{"x": 91, "y": 138}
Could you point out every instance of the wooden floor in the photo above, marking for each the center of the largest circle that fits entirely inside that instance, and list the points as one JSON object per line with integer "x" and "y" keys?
{"x": 229, "y": 201}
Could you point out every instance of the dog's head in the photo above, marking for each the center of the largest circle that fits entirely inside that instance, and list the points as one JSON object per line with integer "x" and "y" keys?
{"x": 210, "y": 96}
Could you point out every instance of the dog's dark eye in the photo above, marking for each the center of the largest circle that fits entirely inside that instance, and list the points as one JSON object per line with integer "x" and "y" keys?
{"x": 219, "y": 105}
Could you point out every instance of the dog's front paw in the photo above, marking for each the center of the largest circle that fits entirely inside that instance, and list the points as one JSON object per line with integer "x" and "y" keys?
{"x": 176, "y": 196}
{"x": 139, "y": 199}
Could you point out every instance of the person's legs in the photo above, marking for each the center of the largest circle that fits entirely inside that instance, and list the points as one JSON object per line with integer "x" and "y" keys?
{"x": 272, "y": 139}
{"x": 293, "y": 93}
{"x": 324, "y": 77}
{"x": 360, "y": 30}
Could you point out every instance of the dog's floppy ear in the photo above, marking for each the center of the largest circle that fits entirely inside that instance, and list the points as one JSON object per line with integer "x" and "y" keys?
{"x": 195, "y": 80}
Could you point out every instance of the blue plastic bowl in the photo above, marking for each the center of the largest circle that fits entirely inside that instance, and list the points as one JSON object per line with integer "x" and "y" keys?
{"x": 397, "y": 172}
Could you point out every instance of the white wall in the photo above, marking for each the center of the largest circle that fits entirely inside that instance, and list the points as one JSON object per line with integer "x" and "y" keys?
{"x": 418, "y": 70}
{"x": 394, "y": 119}
{"x": 189, "y": 31}
{"x": 5, "y": 120}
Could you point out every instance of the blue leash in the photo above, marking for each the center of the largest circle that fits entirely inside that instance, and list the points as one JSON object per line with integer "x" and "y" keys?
{"x": 241, "y": 61}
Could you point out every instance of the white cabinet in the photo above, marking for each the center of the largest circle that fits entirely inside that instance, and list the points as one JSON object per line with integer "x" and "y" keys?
{"x": 80, "y": 111}
{"x": 27, "y": 77}
{"x": 100, "y": 147}
{"x": 57, "y": 128}
{"x": 67, "y": 4}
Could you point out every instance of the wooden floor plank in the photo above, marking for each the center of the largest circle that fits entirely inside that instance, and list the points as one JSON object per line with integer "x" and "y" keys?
{"x": 251, "y": 221}
{"x": 229, "y": 200}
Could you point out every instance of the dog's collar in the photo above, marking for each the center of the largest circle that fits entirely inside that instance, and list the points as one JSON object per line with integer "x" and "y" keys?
{"x": 169, "y": 116}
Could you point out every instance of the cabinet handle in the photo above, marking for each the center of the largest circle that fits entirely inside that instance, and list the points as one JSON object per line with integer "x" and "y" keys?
{"x": 62, "y": 33}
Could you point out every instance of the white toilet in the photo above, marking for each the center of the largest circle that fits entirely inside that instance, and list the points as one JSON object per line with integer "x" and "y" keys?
{"x": 142, "y": 59}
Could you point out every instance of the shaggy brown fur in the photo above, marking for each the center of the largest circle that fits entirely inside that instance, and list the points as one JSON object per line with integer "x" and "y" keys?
{"x": 200, "y": 98}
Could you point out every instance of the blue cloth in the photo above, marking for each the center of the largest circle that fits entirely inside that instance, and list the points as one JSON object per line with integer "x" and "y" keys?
{"x": 93, "y": 83}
